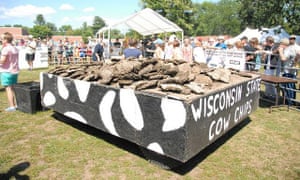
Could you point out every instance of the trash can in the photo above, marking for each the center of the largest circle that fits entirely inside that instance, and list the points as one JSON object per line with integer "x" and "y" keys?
{"x": 28, "y": 97}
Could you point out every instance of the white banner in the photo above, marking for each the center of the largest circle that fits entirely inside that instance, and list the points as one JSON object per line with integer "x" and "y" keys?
{"x": 40, "y": 60}
{"x": 226, "y": 58}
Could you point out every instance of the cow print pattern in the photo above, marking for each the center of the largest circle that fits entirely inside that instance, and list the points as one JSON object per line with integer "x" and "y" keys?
{"x": 166, "y": 126}
{"x": 152, "y": 122}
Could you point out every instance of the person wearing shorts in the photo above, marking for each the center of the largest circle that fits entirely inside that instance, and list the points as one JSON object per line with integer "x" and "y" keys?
{"x": 30, "y": 51}
{"x": 9, "y": 69}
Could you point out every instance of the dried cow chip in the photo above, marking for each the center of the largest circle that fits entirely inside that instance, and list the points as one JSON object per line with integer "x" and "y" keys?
{"x": 131, "y": 76}
{"x": 148, "y": 74}
{"x": 149, "y": 61}
{"x": 147, "y": 85}
{"x": 158, "y": 76}
{"x": 123, "y": 67}
{"x": 203, "y": 79}
{"x": 146, "y": 69}
{"x": 89, "y": 77}
{"x": 140, "y": 85}
{"x": 106, "y": 76}
{"x": 170, "y": 69}
{"x": 195, "y": 88}
{"x": 220, "y": 75}
{"x": 171, "y": 87}
{"x": 125, "y": 82}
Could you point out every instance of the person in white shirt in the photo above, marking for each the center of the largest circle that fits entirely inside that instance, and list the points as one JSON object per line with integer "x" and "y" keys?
{"x": 159, "y": 49}
{"x": 169, "y": 50}
{"x": 177, "y": 51}
{"x": 30, "y": 51}
{"x": 293, "y": 50}
{"x": 198, "y": 52}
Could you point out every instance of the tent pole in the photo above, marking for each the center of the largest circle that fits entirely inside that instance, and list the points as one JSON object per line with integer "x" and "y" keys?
{"x": 143, "y": 46}
{"x": 108, "y": 45}
{"x": 182, "y": 36}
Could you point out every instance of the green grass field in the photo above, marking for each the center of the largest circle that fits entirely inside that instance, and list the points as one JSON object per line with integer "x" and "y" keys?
{"x": 45, "y": 146}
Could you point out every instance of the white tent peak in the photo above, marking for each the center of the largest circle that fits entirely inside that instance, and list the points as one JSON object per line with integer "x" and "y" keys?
{"x": 249, "y": 33}
{"x": 146, "y": 22}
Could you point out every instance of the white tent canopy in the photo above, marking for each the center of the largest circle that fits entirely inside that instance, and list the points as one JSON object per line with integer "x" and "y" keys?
{"x": 249, "y": 33}
{"x": 276, "y": 32}
{"x": 146, "y": 22}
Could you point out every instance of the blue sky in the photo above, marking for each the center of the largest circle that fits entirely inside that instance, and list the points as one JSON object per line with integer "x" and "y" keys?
{"x": 66, "y": 12}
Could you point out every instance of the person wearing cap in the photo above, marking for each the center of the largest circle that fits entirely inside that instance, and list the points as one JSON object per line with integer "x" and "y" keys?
{"x": 221, "y": 43}
{"x": 30, "y": 51}
{"x": 288, "y": 52}
{"x": 230, "y": 45}
{"x": 9, "y": 68}
{"x": 293, "y": 48}
{"x": 159, "y": 49}
{"x": 288, "y": 62}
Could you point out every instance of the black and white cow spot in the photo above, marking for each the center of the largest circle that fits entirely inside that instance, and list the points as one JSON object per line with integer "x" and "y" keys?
{"x": 96, "y": 106}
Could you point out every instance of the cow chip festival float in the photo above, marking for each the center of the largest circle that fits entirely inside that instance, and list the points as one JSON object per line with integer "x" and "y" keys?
{"x": 171, "y": 109}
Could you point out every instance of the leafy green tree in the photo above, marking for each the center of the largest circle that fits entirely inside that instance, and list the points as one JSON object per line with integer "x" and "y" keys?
{"x": 86, "y": 31}
{"x": 115, "y": 33}
{"x": 177, "y": 11}
{"x": 257, "y": 13}
{"x": 98, "y": 23}
{"x": 41, "y": 32}
{"x": 133, "y": 34}
{"x": 66, "y": 30}
{"x": 51, "y": 26}
{"x": 216, "y": 18}
{"x": 40, "y": 21}
{"x": 204, "y": 18}
{"x": 77, "y": 32}
{"x": 291, "y": 13}
{"x": 17, "y": 25}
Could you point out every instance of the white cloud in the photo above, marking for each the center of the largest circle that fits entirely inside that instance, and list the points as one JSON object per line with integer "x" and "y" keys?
{"x": 27, "y": 11}
{"x": 88, "y": 9}
{"x": 66, "y": 7}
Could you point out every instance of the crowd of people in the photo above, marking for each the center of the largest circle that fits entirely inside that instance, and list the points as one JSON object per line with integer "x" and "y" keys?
{"x": 278, "y": 58}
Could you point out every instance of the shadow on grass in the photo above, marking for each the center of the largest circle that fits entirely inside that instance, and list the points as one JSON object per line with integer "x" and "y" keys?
{"x": 119, "y": 142}
{"x": 13, "y": 172}
{"x": 269, "y": 102}
{"x": 157, "y": 159}
{"x": 193, "y": 162}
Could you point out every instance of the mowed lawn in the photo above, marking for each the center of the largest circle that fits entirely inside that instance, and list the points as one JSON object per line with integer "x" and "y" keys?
{"x": 47, "y": 146}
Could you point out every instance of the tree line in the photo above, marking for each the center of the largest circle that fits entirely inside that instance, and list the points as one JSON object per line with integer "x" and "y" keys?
{"x": 228, "y": 17}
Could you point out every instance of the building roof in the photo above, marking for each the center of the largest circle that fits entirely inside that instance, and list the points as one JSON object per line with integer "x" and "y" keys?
{"x": 70, "y": 38}
{"x": 17, "y": 32}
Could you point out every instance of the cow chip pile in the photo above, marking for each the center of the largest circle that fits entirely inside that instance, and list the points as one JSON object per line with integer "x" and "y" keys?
{"x": 175, "y": 78}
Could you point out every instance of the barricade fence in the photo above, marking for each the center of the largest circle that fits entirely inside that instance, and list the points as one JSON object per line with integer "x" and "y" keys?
{"x": 59, "y": 60}
{"x": 290, "y": 91}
